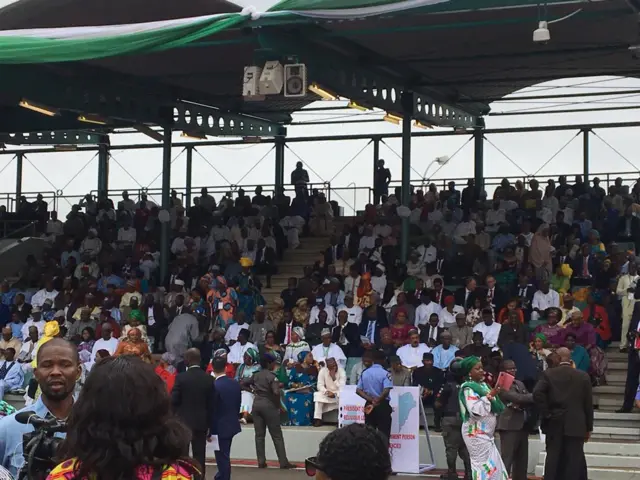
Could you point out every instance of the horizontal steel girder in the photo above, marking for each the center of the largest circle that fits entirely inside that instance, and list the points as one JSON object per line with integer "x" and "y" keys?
{"x": 75, "y": 137}
{"x": 368, "y": 88}
{"x": 209, "y": 121}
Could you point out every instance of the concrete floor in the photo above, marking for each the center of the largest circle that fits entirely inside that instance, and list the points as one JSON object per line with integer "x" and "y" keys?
{"x": 274, "y": 473}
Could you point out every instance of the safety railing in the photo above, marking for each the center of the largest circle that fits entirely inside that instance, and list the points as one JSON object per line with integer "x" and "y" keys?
{"x": 17, "y": 228}
{"x": 352, "y": 197}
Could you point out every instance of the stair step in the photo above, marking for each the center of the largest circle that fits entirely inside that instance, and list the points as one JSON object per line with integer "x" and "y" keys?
{"x": 609, "y": 389}
{"x": 616, "y": 365}
{"x": 616, "y": 433}
{"x": 604, "y": 473}
{"x": 624, "y": 448}
{"x": 616, "y": 377}
{"x": 604, "y": 461}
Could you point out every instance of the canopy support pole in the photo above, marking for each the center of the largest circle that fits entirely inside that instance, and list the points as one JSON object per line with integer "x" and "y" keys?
{"x": 279, "y": 180}
{"x": 585, "y": 155}
{"x": 19, "y": 159}
{"x": 103, "y": 166}
{"x": 478, "y": 159}
{"x": 187, "y": 198}
{"x": 407, "y": 107}
{"x": 376, "y": 157}
{"x": 166, "y": 205}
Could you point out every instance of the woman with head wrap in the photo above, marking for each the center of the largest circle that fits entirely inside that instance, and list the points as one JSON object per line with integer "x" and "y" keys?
{"x": 540, "y": 252}
{"x": 276, "y": 311}
{"x": 249, "y": 296}
{"x": 552, "y": 329}
{"x": 298, "y": 399}
{"x": 301, "y": 311}
{"x": 539, "y": 352}
{"x": 561, "y": 280}
{"x": 363, "y": 293}
{"x": 244, "y": 374}
{"x": 223, "y": 301}
{"x": 166, "y": 370}
{"x": 297, "y": 346}
{"x": 134, "y": 344}
{"x": 51, "y": 331}
{"x": 597, "y": 246}
{"x": 135, "y": 321}
{"x": 479, "y": 408}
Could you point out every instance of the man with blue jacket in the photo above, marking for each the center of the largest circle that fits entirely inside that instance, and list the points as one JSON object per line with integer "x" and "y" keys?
{"x": 225, "y": 422}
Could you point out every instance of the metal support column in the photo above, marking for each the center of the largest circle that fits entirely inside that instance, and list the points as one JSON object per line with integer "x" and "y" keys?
{"x": 376, "y": 157}
{"x": 478, "y": 163}
{"x": 103, "y": 165}
{"x": 407, "y": 100}
{"x": 19, "y": 159}
{"x": 279, "y": 180}
{"x": 166, "y": 205}
{"x": 187, "y": 198}
{"x": 585, "y": 155}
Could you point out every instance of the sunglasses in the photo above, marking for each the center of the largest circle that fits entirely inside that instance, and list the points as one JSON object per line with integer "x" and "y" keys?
{"x": 311, "y": 466}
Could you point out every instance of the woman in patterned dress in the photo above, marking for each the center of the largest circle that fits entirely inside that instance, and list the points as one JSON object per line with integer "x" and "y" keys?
{"x": 223, "y": 301}
{"x": 244, "y": 374}
{"x": 479, "y": 408}
{"x": 101, "y": 442}
{"x": 302, "y": 383}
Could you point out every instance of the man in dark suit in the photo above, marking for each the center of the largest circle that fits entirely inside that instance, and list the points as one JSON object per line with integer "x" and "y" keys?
{"x": 334, "y": 252}
{"x": 564, "y": 398}
{"x": 439, "y": 292}
{"x": 585, "y": 266}
{"x": 524, "y": 292}
{"x": 495, "y": 297}
{"x": 285, "y": 328}
{"x": 225, "y": 422}
{"x": 347, "y": 336}
{"x": 371, "y": 325}
{"x": 512, "y": 425}
{"x": 192, "y": 399}
{"x": 629, "y": 228}
{"x": 265, "y": 263}
{"x": 466, "y": 295}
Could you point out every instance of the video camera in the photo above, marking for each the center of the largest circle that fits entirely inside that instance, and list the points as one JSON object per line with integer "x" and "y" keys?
{"x": 40, "y": 446}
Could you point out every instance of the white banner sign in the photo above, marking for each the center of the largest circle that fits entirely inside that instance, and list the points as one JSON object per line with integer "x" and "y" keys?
{"x": 404, "y": 444}
{"x": 351, "y": 407}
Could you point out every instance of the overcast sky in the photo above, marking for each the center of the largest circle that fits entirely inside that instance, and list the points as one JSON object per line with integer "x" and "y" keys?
{"x": 237, "y": 164}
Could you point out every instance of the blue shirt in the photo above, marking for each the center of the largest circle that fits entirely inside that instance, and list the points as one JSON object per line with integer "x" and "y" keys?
{"x": 442, "y": 358}
{"x": 115, "y": 280}
{"x": 375, "y": 380}
{"x": 16, "y": 329}
{"x": 638, "y": 395}
{"x": 11, "y": 433}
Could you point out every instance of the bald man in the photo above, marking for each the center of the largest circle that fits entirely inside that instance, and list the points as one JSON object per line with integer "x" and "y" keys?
{"x": 192, "y": 398}
{"x": 564, "y": 397}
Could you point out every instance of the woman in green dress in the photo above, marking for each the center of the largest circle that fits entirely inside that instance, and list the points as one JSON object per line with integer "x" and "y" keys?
{"x": 244, "y": 374}
{"x": 579, "y": 354}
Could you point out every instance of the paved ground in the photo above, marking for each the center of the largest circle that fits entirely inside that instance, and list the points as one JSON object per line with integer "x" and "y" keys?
{"x": 252, "y": 473}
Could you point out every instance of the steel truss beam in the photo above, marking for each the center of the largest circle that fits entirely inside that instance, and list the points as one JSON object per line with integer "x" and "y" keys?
{"x": 74, "y": 137}
{"x": 195, "y": 118}
{"x": 337, "y": 73}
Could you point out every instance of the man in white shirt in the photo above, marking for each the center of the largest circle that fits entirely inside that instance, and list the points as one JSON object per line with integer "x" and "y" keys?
{"x": 411, "y": 354}
{"x": 368, "y": 240}
{"x": 495, "y": 217}
{"x": 426, "y": 309}
{"x": 234, "y": 329}
{"x": 354, "y": 311}
{"x": 382, "y": 230}
{"x": 464, "y": 229}
{"x": 379, "y": 280}
{"x": 126, "y": 235}
{"x": 543, "y": 299}
{"x": 127, "y": 203}
{"x": 449, "y": 312}
{"x": 47, "y": 293}
{"x": 352, "y": 282}
{"x": 91, "y": 245}
{"x": 55, "y": 227}
{"x": 35, "y": 320}
{"x": 106, "y": 342}
{"x": 327, "y": 349}
{"x": 321, "y": 306}
{"x": 87, "y": 269}
{"x": 178, "y": 246}
{"x": 427, "y": 252}
{"x": 490, "y": 330}
{"x": 238, "y": 349}
{"x": 625, "y": 290}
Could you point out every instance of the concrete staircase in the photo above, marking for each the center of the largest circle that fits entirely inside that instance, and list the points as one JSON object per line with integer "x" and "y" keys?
{"x": 609, "y": 397}
{"x": 607, "y": 461}
{"x": 293, "y": 263}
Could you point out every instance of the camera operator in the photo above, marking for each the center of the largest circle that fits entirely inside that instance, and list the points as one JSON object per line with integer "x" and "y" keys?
{"x": 447, "y": 401}
{"x": 57, "y": 371}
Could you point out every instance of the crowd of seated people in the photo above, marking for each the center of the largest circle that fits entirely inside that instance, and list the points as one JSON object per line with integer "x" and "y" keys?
{"x": 514, "y": 277}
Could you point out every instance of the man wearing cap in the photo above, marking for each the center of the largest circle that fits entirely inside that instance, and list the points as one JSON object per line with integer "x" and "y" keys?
{"x": 461, "y": 333}
{"x": 374, "y": 386}
{"x": 328, "y": 349}
{"x": 322, "y": 306}
{"x": 430, "y": 379}
{"x": 490, "y": 330}
{"x": 346, "y": 335}
{"x": 426, "y": 309}
{"x": 334, "y": 296}
{"x": 411, "y": 354}
{"x": 8, "y": 341}
{"x": 260, "y": 326}
{"x": 35, "y": 320}
{"x": 91, "y": 245}
{"x": 87, "y": 268}
{"x": 444, "y": 353}
{"x": 107, "y": 341}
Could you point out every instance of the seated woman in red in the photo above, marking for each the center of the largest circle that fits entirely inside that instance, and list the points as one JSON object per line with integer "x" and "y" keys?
{"x": 122, "y": 427}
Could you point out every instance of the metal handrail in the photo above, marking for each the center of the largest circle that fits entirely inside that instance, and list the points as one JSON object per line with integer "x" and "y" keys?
{"x": 31, "y": 225}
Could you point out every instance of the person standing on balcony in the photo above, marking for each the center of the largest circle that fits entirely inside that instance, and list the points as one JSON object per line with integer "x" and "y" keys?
{"x": 381, "y": 181}
{"x": 300, "y": 178}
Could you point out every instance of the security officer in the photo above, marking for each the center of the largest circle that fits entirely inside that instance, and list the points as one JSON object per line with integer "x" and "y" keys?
{"x": 374, "y": 386}
{"x": 447, "y": 402}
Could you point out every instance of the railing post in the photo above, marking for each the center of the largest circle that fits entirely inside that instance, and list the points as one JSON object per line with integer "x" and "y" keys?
{"x": 585, "y": 155}
{"x": 376, "y": 157}
{"x": 187, "y": 199}
{"x": 19, "y": 159}
{"x": 407, "y": 107}
{"x": 166, "y": 205}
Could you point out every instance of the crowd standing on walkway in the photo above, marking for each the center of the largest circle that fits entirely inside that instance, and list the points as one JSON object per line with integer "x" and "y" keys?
{"x": 512, "y": 282}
